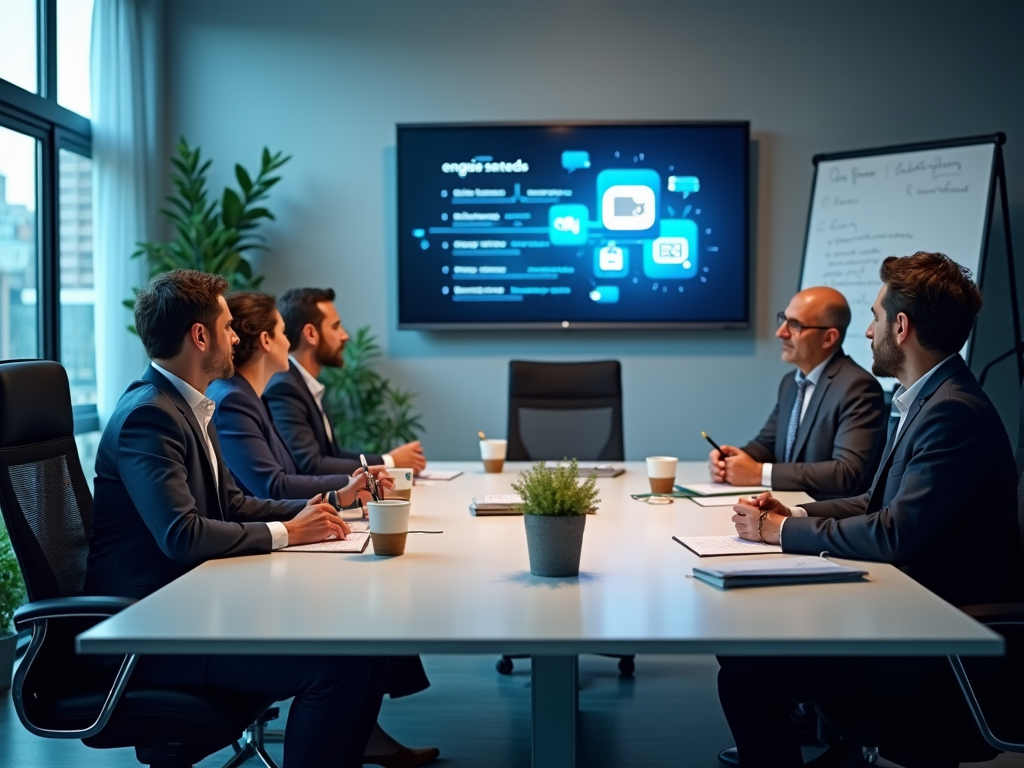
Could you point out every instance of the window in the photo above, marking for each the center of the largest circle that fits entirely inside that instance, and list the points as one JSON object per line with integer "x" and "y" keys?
{"x": 47, "y": 299}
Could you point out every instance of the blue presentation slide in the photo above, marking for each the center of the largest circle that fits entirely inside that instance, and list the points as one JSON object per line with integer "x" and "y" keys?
{"x": 599, "y": 224}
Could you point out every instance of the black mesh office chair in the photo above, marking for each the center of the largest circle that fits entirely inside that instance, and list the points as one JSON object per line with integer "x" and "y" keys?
{"x": 565, "y": 410}
{"x": 559, "y": 410}
{"x": 47, "y": 508}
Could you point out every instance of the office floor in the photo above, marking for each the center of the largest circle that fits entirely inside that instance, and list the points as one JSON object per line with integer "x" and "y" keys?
{"x": 667, "y": 716}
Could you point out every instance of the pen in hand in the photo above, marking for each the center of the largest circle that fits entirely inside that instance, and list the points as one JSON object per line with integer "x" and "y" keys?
{"x": 714, "y": 445}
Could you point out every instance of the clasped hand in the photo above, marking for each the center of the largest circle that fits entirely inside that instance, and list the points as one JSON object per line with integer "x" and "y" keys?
{"x": 734, "y": 466}
{"x": 747, "y": 518}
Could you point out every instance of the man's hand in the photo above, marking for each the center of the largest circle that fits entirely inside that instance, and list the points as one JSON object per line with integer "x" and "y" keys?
{"x": 733, "y": 466}
{"x": 356, "y": 491}
{"x": 409, "y": 455}
{"x": 317, "y": 522}
{"x": 747, "y": 516}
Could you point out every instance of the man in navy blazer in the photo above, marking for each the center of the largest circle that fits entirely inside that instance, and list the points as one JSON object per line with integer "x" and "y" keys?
{"x": 826, "y": 433}
{"x": 942, "y": 507}
{"x": 295, "y": 397}
{"x": 165, "y": 503}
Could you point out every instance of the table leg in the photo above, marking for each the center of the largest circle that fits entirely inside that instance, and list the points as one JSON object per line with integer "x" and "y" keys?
{"x": 554, "y": 703}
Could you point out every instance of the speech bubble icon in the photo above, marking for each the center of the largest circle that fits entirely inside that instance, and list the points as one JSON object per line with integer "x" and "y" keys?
{"x": 573, "y": 159}
{"x": 684, "y": 184}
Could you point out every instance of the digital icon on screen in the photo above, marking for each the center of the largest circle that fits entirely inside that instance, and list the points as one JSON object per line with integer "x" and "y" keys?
{"x": 684, "y": 184}
{"x": 673, "y": 254}
{"x": 574, "y": 159}
{"x": 611, "y": 260}
{"x": 605, "y": 294}
{"x": 629, "y": 199}
{"x": 567, "y": 224}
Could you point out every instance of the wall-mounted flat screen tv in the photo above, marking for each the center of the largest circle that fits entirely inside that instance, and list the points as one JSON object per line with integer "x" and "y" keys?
{"x": 640, "y": 225}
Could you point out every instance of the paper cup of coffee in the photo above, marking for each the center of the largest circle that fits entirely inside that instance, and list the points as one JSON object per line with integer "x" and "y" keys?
{"x": 661, "y": 471}
{"x": 403, "y": 484}
{"x": 389, "y": 526}
{"x": 493, "y": 454}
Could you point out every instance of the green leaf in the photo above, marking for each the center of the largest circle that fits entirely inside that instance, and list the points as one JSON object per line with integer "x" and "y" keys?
{"x": 243, "y": 180}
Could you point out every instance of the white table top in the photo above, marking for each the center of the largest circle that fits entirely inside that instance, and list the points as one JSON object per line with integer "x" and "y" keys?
{"x": 469, "y": 590}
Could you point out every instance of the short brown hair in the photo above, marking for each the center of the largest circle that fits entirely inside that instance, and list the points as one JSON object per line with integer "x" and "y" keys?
{"x": 175, "y": 301}
{"x": 299, "y": 309}
{"x": 937, "y": 294}
{"x": 252, "y": 313}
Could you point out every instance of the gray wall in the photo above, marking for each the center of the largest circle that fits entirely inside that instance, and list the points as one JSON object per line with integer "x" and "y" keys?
{"x": 327, "y": 81}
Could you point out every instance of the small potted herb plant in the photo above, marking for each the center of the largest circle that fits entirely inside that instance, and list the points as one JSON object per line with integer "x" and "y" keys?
{"x": 555, "y": 508}
{"x": 12, "y": 595}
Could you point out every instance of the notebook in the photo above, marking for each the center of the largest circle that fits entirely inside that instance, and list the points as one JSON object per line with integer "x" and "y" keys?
{"x": 438, "y": 474}
{"x": 356, "y": 541}
{"x": 721, "y": 489}
{"x": 495, "y": 504}
{"x": 585, "y": 470}
{"x": 785, "y": 570}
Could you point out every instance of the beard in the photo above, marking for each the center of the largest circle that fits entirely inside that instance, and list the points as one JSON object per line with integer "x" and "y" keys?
{"x": 218, "y": 364}
{"x": 888, "y": 358}
{"x": 327, "y": 357}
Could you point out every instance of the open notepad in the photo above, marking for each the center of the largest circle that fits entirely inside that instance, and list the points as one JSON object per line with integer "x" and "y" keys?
{"x": 713, "y": 546}
{"x": 356, "y": 541}
{"x": 783, "y": 570}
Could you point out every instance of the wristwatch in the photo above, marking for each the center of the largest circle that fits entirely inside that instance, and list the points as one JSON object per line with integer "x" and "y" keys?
{"x": 331, "y": 497}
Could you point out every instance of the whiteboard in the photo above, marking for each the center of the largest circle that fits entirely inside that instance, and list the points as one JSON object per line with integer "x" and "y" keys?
{"x": 867, "y": 207}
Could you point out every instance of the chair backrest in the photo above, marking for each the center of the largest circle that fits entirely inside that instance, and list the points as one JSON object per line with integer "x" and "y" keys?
{"x": 44, "y": 498}
{"x": 565, "y": 410}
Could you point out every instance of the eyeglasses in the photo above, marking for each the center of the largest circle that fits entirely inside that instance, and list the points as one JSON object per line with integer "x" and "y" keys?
{"x": 795, "y": 327}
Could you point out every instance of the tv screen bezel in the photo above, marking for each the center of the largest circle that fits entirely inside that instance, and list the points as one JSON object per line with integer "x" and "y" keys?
{"x": 567, "y": 324}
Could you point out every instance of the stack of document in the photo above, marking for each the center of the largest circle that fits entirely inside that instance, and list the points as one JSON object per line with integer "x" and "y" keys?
{"x": 722, "y": 489}
{"x": 786, "y": 570}
{"x": 496, "y": 504}
{"x": 585, "y": 470}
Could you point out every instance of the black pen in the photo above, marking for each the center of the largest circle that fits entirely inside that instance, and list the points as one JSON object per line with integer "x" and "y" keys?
{"x": 713, "y": 443}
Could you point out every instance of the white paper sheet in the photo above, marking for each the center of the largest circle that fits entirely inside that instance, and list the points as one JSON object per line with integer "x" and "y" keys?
{"x": 710, "y": 546}
{"x": 723, "y": 489}
{"x": 437, "y": 474}
{"x": 355, "y": 542}
{"x": 717, "y": 501}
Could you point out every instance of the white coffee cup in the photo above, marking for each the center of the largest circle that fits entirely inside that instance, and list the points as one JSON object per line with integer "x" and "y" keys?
{"x": 661, "y": 472}
{"x": 403, "y": 483}
{"x": 493, "y": 454}
{"x": 389, "y": 525}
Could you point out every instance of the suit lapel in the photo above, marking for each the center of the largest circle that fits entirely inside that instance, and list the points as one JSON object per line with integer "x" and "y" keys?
{"x": 811, "y": 414}
{"x": 786, "y": 401}
{"x": 945, "y": 371}
{"x": 161, "y": 382}
{"x": 222, "y": 470}
{"x": 328, "y": 444}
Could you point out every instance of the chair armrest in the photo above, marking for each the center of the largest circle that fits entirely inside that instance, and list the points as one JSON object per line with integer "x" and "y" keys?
{"x": 70, "y": 607}
{"x": 996, "y": 613}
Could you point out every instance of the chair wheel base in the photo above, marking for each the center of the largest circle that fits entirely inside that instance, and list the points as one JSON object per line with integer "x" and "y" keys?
{"x": 504, "y": 666}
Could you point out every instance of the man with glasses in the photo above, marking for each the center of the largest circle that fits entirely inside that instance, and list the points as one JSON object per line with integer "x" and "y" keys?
{"x": 827, "y": 431}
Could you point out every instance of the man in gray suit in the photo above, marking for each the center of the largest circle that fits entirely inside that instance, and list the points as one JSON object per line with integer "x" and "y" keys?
{"x": 826, "y": 433}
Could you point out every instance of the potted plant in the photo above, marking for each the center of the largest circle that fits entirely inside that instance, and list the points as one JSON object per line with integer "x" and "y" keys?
{"x": 555, "y": 508}
{"x": 12, "y": 595}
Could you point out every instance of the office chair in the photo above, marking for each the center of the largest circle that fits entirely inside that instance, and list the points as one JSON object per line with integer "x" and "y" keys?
{"x": 47, "y": 508}
{"x": 565, "y": 410}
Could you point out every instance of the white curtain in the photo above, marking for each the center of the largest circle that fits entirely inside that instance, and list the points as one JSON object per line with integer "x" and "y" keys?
{"x": 127, "y": 166}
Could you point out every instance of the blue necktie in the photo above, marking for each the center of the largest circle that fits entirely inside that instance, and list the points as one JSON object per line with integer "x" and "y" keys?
{"x": 794, "y": 416}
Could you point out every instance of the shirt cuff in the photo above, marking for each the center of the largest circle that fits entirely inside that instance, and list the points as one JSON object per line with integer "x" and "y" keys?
{"x": 766, "y": 475}
{"x": 389, "y": 463}
{"x": 278, "y": 535}
{"x": 798, "y": 511}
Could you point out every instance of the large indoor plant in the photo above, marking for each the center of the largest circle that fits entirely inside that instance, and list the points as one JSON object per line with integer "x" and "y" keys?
{"x": 555, "y": 507}
{"x": 12, "y": 595}
{"x": 368, "y": 413}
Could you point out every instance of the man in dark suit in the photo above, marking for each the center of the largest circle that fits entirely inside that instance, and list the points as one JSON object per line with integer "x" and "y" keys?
{"x": 826, "y": 433}
{"x": 165, "y": 503}
{"x": 941, "y": 507}
{"x": 295, "y": 397}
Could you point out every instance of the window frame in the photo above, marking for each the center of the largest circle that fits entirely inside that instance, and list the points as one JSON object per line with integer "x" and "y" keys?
{"x": 40, "y": 116}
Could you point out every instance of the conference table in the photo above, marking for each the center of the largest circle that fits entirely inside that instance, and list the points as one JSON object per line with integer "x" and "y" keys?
{"x": 469, "y": 590}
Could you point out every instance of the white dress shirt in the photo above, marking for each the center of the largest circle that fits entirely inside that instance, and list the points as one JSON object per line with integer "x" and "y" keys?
{"x": 203, "y": 408}
{"x": 902, "y": 398}
{"x": 316, "y": 389}
{"x": 812, "y": 382}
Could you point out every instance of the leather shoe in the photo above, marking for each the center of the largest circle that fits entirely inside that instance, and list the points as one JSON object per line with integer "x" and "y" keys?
{"x": 404, "y": 757}
{"x": 729, "y": 756}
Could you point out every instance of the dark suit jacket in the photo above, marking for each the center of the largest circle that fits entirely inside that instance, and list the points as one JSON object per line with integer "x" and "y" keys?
{"x": 158, "y": 512}
{"x": 253, "y": 450}
{"x": 840, "y": 439}
{"x": 301, "y": 426}
{"x": 943, "y": 504}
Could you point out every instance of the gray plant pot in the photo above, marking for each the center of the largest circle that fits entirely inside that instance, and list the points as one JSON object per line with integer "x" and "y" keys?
{"x": 8, "y": 645}
{"x": 554, "y": 544}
